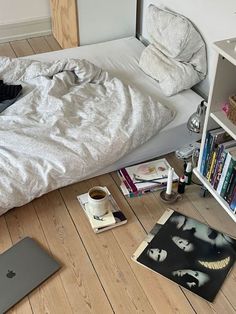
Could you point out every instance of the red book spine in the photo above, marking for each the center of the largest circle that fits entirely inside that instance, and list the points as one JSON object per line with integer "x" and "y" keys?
{"x": 129, "y": 181}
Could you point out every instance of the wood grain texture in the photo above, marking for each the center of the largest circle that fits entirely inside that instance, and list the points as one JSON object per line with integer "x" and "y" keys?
{"x": 22, "y": 48}
{"x": 64, "y": 22}
{"x": 124, "y": 292}
{"x": 50, "y": 297}
{"x": 128, "y": 238}
{"x": 53, "y": 44}
{"x": 6, "y": 50}
{"x": 80, "y": 281}
{"x": 39, "y": 44}
{"x": 22, "y": 307}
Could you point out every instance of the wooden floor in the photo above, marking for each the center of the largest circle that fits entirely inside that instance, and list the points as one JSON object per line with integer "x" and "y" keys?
{"x": 98, "y": 275}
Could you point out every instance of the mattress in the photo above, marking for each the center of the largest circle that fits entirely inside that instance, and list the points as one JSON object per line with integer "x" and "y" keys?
{"x": 120, "y": 58}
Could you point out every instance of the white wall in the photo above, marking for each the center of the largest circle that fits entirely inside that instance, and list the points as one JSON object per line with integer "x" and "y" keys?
{"x": 21, "y": 19}
{"x": 102, "y": 20}
{"x": 215, "y": 19}
{"x": 13, "y": 11}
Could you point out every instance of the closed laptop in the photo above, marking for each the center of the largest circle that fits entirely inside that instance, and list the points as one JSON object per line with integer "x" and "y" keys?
{"x": 22, "y": 268}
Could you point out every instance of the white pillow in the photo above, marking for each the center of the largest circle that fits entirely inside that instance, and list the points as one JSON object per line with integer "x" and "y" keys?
{"x": 173, "y": 34}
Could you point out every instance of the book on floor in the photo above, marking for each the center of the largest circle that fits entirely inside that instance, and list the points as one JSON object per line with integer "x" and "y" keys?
{"x": 114, "y": 218}
{"x": 145, "y": 177}
{"x": 188, "y": 252}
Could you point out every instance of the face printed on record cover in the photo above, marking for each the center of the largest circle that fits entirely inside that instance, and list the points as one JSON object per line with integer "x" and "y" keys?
{"x": 158, "y": 255}
{"x": 190, "y": 277}
{"x": 201, "y": 231}
{"x": 191, "y": 254}
{"x": 183, "y": 244}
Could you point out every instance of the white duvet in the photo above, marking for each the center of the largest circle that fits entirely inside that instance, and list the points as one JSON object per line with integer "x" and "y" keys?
{"x": 71, "y": 120}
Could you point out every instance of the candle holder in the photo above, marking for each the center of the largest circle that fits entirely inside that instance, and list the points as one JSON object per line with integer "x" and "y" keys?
{"x": 169, "y": 198}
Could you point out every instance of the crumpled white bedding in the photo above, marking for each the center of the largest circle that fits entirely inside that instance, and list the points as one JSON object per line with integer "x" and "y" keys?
{"x": 176, "y": 57}
{"x": 72, "y": 120}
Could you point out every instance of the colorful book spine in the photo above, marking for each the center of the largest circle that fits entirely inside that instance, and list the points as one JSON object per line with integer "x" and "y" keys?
{"x": 217, "y": 165}
{"x": 230, "y": 188}
{"x": 129, "y": 181}
{"x": 216, "y": 137}
{"x": 142, "y": 192}
{"x": 232, "y": 163}
{"x": 208, "y": 153}
{"x": 223, "y": 174}
{"x": 122, "y": 179}
{"x": 212, "y": 162}
{"x": 223, "y": 149}
{"x": 232, "y": 204}
{"x": 203, "y": 162}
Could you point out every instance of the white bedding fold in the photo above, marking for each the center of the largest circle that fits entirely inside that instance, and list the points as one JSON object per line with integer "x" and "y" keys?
{"x": 173, "y": 76}
{"x": 72, "y": 120}
{"x": 176, "y": 57}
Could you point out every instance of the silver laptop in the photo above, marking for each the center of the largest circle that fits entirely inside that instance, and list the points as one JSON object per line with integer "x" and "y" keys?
{"x": 22, "y": 268}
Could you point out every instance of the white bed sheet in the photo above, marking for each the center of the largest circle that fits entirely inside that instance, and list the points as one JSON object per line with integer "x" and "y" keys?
{"x": 120, "y": 57}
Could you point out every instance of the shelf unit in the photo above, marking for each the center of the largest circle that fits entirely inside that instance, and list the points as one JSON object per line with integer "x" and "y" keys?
{"x": 223, "y": 86}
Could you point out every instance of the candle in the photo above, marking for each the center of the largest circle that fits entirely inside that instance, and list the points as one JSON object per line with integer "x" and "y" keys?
{"x": 169, "y": 181}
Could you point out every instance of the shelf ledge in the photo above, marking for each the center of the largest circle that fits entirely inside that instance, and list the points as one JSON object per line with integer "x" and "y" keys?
{"x": 219, "y": 199}
{"x": 221, "y": 119}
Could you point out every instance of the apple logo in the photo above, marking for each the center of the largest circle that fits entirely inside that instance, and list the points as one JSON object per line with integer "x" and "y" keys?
{"x": 10, "y": 274}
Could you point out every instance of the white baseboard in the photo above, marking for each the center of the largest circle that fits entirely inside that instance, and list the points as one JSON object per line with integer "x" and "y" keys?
{"x": 25, "y": 29}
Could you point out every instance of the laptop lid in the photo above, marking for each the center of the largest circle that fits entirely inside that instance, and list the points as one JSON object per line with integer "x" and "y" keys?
{"x": 22, "y": 268}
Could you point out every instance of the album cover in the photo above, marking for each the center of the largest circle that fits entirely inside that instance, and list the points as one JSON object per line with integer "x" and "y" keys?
{"x": 188, "y": 252}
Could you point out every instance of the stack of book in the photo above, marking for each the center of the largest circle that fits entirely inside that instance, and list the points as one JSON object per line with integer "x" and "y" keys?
{"x": 113, "y": 218}
{"x": 146, "y": 177}
{"x": 218, "y": 164}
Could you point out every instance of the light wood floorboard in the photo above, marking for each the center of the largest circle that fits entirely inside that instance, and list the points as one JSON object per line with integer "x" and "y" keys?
{"x": 6, "y": 50}
{"x": 98, "y": 275}
{"x": 22, "y": 48}
{"x": 39, "y": 44}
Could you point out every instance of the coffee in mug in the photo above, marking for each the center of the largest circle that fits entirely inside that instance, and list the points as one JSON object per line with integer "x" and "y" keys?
{"x": 98, "y": 201}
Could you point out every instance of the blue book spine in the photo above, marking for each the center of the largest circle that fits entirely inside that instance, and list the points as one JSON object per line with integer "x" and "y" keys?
{"x": 208, "y": 153}
{"x": 204, "y": 153}
{"x": 233, "y": 201}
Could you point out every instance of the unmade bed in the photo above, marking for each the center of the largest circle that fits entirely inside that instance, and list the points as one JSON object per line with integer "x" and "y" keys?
{"x": 120, "y": 59}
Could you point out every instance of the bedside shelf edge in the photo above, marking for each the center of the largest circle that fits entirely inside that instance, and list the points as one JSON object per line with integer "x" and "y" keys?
{"x": 219, "y": 199}
{"x": 221, "y": 119}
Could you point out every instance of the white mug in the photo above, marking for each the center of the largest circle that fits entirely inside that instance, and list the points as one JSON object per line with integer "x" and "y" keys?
{"x": 98, "y": 201}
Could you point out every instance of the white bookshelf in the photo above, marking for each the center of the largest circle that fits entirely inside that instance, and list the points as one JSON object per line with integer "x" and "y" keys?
{"x": 223, "y": 86}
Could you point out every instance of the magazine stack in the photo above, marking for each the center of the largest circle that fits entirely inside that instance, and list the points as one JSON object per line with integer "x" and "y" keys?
{"x": 218, "y": 164}
{"x": 146, "y": 177}
{"x": 113, "y": 218}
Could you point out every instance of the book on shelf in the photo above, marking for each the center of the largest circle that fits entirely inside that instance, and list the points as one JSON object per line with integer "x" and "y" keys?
{"x": 222, "y": 152}
{"x": 206, "y": 152}
{"x": 216, "y": 137}
{"x": 114, "y": 218}
{"x": 229, "y": 178}
{"x": 230, "y": 187}
{"x": 232, "y": 203}
{"x": 146, "y": 177}
{"x": 229, "y": 164}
